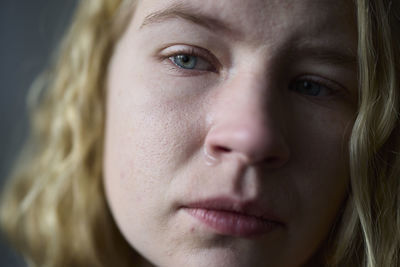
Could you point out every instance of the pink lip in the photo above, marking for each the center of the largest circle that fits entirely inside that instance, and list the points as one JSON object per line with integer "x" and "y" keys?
{"x": 229, "y": 217}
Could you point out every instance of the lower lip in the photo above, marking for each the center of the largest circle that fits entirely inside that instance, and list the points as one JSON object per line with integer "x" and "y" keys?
{"x": 233, "y": 224}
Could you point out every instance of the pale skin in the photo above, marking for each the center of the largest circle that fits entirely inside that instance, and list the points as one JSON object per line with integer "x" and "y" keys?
{"x": 261, "y": 113}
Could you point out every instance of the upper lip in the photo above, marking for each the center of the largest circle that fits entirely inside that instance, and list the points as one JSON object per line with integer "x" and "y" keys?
{"x": 247, "y": 208}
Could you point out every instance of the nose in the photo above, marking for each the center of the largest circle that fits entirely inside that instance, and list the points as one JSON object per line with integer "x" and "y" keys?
{"x": 246, "y": 124}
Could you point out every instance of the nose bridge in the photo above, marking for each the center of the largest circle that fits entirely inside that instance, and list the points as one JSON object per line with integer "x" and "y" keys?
{"x": 251, "y": 103}
{"x": 247, "y": 98}
{"x": 246, "y": 121}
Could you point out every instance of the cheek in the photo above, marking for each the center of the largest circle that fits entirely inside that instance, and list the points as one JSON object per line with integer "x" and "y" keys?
{"x": 150, "y": 132}
{"x": 144, "y": 128}
{"x": 149, "y": 137}
{"x": 326, "y": 147}
{"x": 319, "y": 171}
{"x": 319, "y": 136}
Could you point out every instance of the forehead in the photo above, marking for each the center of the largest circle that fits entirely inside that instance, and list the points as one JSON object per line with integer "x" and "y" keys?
{"x": 259, "y": 20}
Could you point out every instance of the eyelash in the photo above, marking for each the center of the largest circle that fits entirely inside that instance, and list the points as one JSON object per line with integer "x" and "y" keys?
{"x": 333, "y": 87}
{"x": 195, "y": 53}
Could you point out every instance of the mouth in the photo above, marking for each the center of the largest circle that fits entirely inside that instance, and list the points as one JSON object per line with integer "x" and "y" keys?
{"x": 228, "y": 217}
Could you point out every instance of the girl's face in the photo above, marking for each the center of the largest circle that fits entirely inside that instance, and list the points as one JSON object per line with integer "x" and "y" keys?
{"x": 227, "y": 129}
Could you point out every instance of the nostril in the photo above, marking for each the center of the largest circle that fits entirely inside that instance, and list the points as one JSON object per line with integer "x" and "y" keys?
{"x": 213, "y": 153}
{"x": 271, "y": 160}
{"x": 275, "y": 162}
{"x": 251, "y": 145}
{"x": 222, "y": 149}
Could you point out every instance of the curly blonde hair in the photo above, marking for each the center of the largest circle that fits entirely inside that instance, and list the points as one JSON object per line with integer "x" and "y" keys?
{"x": 54, "y": 209}
{"x": 370, "y": 229}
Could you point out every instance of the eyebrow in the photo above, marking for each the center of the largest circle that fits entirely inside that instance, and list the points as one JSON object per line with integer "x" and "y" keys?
{"x": 330, "y": 55}
{"x": 339, "y": 57}
{"x": 190, "y": 14}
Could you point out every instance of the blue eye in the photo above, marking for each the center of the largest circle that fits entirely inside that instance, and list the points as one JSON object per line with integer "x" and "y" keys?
{"x": 191, "y": 61}
{"x": 185, "y": 61}
{"x": 310, "y": 88}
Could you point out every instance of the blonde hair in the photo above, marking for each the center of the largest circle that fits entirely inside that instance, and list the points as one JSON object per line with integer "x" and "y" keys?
{"x": 54, "y": 209}
{"x": 370, "y": 230}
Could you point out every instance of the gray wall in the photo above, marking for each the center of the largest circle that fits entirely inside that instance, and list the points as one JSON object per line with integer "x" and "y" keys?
{"x": 29, "y": 30}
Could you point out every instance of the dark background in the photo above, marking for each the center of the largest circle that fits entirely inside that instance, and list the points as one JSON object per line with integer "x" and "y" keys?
{"x": 29, "y": 31}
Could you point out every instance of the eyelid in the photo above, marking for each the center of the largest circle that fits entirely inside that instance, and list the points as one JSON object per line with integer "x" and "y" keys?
{"x": 193, "y": 51}
{"x": 334, "y": 87}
